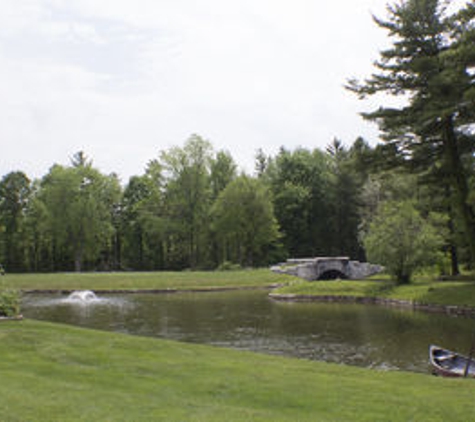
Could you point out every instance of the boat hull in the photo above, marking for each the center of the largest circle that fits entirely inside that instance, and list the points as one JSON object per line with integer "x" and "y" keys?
{"x": 450, "y": 364}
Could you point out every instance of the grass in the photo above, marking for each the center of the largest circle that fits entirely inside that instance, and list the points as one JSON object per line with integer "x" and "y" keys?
{"x": 51, "y": 372}
{"x": 424, "y": 291}
{"x": 331, "y": 288}
{"x": 146, "y": 280}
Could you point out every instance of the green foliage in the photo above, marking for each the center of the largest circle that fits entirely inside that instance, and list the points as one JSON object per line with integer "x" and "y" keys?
{"x": 143, "y": 223}
{"x": 300, "y": 185}
{"x": 244, "y": 222}
{"x": 190, "y": 210}
{"x": 188, "y": 199}
{"x": 222, "y": 172}
{"x": 229, "y": 266}
{"x": 316, "y": 198}
{"x": 79, "y": 203}
{"x": 401, "y": 240}
{"x": 9, "y": 301}
{"x": 430, "y": 67}
{"x": 344, "y": 200}
{"x": 15, "y": 193}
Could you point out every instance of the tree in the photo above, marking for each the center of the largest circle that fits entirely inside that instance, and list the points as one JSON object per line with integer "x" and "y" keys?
{"x": 136, "y": 191}
{"x": 143, "y": 220}
{"x": 262, "y": 161}
{"x": 244, "y": 223}
{"x": 344, "y": 202}
{"x": 15, "y": 193}
{"x": 401, "y": 240}
{"x": 188, "y": 200}
{"x": 429, "y": 65}
{"x": 79, "y": 201}
{"x": 223, "y": 170}
{"x": 300, "y": 182}
{"x": 38, "y": 239}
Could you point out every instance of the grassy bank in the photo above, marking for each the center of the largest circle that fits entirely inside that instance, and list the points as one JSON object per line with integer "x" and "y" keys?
{"x": 58, "y": 373}
{"x": 459, "y": 293}
{"x": 424, "y": 290}
{"x": 145, "y": 280}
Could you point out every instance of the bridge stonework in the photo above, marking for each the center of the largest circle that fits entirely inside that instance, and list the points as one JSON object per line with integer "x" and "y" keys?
{"x": 327, "y": 268}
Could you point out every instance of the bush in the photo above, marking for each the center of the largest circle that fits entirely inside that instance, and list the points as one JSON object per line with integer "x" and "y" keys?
{"x": 229, "y": 266}
{"x": 9, "y": 302}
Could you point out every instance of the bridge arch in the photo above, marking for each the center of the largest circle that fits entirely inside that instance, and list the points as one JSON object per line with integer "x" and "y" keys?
{"x": 332, "y": 274}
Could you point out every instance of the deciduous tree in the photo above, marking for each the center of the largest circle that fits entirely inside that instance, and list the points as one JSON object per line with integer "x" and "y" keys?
{"x": 188, "y": 198}
{"x": 244, "y": 223}
{"x": 401, "y": 240}
{"x": 15, "y": 192}
{"x": 79, "y": 201}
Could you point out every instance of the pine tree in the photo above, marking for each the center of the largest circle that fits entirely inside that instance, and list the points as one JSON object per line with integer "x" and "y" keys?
{"x": 430, "y": 65}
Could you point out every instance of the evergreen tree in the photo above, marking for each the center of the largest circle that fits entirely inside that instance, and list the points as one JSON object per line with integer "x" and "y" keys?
{"x": 345, "y": 187}
{"x": 430, "y": 66}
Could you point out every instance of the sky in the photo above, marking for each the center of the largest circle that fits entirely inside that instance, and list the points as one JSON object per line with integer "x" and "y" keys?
{"x": 123, "y": 80}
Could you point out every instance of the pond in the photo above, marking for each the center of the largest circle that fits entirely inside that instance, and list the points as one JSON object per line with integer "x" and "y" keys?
{"x": 362, "y": 335}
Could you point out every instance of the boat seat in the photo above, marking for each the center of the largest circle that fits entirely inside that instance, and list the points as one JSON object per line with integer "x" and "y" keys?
{"x": 444, "y": 358}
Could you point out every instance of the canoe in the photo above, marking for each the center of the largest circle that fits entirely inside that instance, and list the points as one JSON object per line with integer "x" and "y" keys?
{"x": 450, "y": 364}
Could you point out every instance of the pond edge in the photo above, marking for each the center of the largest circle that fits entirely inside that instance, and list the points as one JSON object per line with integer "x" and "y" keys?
{"x": 152, "y": 291}
{"x": 12, "y": 318}
{"x": 364, "y": 300}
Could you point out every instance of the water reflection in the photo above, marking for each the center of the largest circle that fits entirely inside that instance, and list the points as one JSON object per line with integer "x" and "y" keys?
{"x": 368, "y": 336}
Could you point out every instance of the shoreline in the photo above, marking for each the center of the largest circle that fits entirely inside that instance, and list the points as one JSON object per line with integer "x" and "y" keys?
{"x": 366, "y": 300}
{"x": 152, "y": 291}
{"x": 455, "y": 310}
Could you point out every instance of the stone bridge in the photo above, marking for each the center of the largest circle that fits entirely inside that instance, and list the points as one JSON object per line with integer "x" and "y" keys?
{"x": 327, "y": 268}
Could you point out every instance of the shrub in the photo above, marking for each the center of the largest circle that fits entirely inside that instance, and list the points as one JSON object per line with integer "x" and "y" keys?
{"x": 9, "y": 302}
{"x": 229, "y": 266}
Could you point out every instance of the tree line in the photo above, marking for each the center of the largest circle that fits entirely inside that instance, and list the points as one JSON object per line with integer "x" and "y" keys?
{"x": 190, "y": 209}
{"x": 407, "y": 201}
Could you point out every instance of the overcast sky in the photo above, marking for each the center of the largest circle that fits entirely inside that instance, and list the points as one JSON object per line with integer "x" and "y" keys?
{"x": 122, "y": 80}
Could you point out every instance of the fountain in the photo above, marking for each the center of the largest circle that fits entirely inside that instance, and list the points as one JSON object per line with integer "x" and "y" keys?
{"x": 82, "y": 296}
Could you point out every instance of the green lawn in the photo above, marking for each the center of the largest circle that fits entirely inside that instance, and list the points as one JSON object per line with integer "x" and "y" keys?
{"x": 51, "y": 372}
{"x": 145, "y": 280}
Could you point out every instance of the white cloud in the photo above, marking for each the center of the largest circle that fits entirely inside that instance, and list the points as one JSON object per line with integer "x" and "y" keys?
{"x": 72, "y": 32}
{"x": 123, "y": 79}
{"x": 14, "y": 18}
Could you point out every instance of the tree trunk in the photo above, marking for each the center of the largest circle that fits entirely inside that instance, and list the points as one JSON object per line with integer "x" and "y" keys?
{"x": 452, "y": 248}
{"x": 459, "y": 184}
{"x": 454, "y": 262}
{"x": 78, "y": 261}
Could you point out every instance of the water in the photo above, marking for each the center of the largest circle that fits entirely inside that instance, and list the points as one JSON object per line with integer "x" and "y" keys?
{"x": 368, "y": 336}
{"x": 82, "y": 296}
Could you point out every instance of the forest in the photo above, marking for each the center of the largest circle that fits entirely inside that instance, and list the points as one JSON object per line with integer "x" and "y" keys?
{"x": 191, "y": 209}
{"x": 407, "y": 201}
